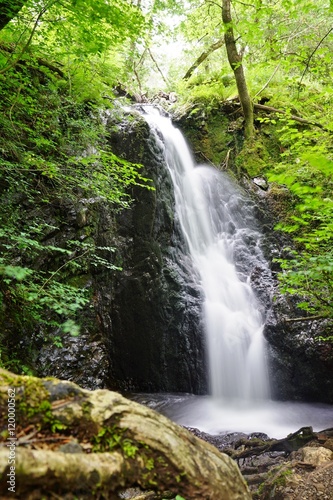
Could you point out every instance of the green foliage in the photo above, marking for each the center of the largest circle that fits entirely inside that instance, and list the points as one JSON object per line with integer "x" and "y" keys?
{"x": 78, "y": 37}
{"x": 35, "y": 296}
{"x": 105, "y": 170}
{"x": 205, "y": 89}
{"x": 110, "y": 438}
{"x": 308, "y": 270}
{"x": 52, "y": 147}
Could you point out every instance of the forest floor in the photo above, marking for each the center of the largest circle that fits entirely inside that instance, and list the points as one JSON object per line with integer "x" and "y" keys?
{"x": 298, "y": 467}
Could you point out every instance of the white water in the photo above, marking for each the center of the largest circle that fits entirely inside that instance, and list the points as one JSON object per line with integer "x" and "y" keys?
{"x": 215, "y": 416}
{"x": 209, "y": 207}
{"x": 217, "y": 226}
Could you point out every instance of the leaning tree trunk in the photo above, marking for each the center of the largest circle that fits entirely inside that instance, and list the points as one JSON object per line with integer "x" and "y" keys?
{"x": 94, "y": 443}
{"x": 203, "y": 57}
{"x": 235, "y": 61}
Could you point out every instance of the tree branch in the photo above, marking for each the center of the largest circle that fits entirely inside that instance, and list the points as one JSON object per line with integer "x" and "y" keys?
{"x": 312, "y": 54}
{"x": 304, "y": 318}
{"x": 291, "y": 443}
{"x": 235, "y": 61}
{"x": 25, "y": 48}
{"x": 51, "y": 67}
{"x": 203, "y": 57}
{"x": 158, "y": 68}
{"x": 8, "y": 10}
{"x": 268, "y": 81}
{"x": 270, "y": 109}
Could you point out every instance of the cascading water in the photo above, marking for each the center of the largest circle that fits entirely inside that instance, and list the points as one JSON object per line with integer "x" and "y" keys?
{"x": 215, "y": 221}
{"x": 223, "y": 243}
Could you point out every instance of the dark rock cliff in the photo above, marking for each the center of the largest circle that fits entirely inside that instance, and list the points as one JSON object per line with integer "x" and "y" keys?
{"x": 144, "y": 332}
{"x": 301, "y": 363}
{"x": 156, "y": 336}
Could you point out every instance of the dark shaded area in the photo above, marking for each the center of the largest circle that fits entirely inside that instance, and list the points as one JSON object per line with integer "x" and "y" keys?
{"x": 156, "y": 339}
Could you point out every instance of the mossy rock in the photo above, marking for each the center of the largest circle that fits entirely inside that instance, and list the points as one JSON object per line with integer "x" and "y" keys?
{"x": 254, "y": 158}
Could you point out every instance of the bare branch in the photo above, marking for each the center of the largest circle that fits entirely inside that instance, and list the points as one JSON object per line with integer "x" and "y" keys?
{"x": 158, "y": 68}
{"x": 246, "y": 4}
{"x": 215, "y": 3}
{"x": 304, "y": 318}
{"x": 268, "y": 81}
{"x": 203, "y": 57}
{"x": 312, "y": 54}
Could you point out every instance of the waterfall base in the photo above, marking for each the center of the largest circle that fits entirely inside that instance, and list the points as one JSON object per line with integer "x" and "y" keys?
{"x": 277, "y": 419}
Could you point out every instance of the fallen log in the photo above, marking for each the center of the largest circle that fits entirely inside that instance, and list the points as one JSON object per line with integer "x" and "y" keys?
{"x": 118, "y": 443}
{"x": 254, "y": 447}
{"x": 270, "y": 109}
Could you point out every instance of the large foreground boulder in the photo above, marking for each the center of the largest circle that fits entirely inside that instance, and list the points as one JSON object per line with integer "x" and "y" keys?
{"x": 75, "y": 443}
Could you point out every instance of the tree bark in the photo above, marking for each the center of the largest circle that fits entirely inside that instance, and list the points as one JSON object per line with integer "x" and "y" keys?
{"x": 203, "y": 57}
{"x": 235, "y": 61}
{"x": 8, "y": 10}
{"x": 122, "y": 444}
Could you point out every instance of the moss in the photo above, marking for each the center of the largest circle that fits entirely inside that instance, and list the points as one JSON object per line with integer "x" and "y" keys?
{"x": 79, "y": 281}
{"x": 34, "y": 405}
{"x": 152, "y": 466}
{"x": 110, "y": 438}
{"x": 32, "y": 402}
{"x": 276, "y": 478}
{"x": 282, "y": 478}
{"x": 217, "y": 139}
{"x": 207, "y": 131}
{"x": 254, "y": 158}
{"x": 280, "y": 201}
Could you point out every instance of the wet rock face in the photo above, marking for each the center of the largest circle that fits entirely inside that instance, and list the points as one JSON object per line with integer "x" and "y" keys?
{"x": 81, "y": 359}
{"x": 300, "y": 364}
{"x": 152, "y": 316}
{"x": 144, "y": 330}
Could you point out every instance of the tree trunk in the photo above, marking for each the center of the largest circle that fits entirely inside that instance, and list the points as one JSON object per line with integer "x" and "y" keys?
{"x": 8, "y": 10}
{"x": 235, "y": 61}
{"x": 73, "y": 440}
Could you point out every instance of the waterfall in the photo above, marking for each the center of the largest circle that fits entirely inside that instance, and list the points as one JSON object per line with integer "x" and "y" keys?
{"x": 223, "y": 243}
